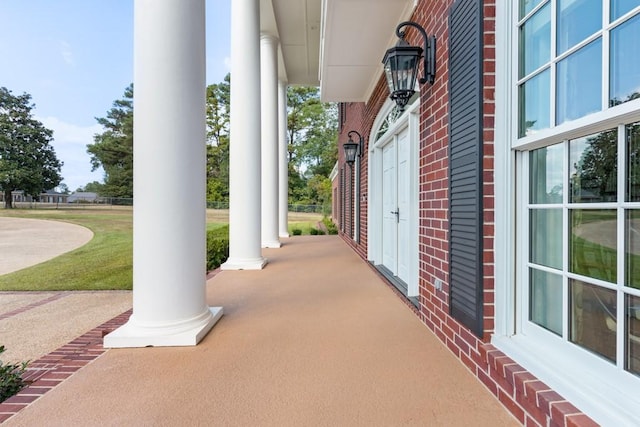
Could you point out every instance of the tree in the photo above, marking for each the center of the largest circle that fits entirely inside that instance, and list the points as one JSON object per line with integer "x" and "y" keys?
{"x": 218, "y": 117}
{"x": 27, "y": 160}
{"x": 113, "y": 148}
{"x": 63, "y": 188}
{"x": 313, "y": 130}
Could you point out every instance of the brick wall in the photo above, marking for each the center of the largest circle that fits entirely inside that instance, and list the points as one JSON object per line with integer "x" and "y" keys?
{"x": 528, "y": 399}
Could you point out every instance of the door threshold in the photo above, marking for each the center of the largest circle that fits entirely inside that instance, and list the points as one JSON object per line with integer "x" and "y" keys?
{"x": 398, "y": 283}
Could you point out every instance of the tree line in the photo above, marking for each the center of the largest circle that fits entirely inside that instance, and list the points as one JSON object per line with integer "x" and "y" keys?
{"x": 312, "y": 146}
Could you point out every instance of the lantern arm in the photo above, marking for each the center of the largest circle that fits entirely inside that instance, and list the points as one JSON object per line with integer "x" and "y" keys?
{"x": 360, "y": 140}
{"x": 429, "y": 50}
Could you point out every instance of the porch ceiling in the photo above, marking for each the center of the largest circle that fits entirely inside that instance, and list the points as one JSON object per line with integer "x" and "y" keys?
{"x": 334, "y": 44}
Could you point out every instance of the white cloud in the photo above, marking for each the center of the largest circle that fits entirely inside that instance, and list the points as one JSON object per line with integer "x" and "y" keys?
{"x": 70, "y": 143}
{"x": 67, "y": 54}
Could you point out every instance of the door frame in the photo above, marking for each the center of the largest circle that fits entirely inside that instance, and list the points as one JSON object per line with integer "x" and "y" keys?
{"x": 408, "y": 119}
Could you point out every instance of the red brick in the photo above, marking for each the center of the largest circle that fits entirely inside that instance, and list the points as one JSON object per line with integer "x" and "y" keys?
{"x": 546, "y": 398}
{"x": 519, "y": 380}
{"x": 560, "y": 410}
{"x": 532, "y": 409}
{"x": 488, "y": 382}
{"x": 47, "y": 383}
{"x": 33, "y": 390}
{"x": 511, "y": 370}
{"x": 530, "y": 422}
{"x": 511, "y": 406}
{"x": 580, "y": 420}
{"x": 18, "y": 398}
{"x": 531, "y": 389}
{"x": 11, "y": 408}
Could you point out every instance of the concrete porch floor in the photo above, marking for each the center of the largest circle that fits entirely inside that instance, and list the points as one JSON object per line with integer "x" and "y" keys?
{"x": 314, "y": 339}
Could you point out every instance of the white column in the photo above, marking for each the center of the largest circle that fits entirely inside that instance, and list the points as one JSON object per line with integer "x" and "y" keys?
{"x": 169, "y": 223}
{"x": 244, "y": 152}
{"x": 283, "y": 162}
{"x": 269, "y": 91}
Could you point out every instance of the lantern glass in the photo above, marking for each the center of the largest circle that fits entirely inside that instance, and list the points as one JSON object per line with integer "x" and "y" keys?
{"x": 401, "y": 64}
{"x": 350, "y": 152}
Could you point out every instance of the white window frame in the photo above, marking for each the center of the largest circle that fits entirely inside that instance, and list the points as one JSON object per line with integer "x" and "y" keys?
{"x": 599, "y": 388}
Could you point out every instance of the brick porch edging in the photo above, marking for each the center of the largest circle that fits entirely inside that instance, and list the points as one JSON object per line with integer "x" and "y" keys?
{"x": 50, "y": 370}
{"x": 46, "y": 373}
{"x": 530, "y": 400}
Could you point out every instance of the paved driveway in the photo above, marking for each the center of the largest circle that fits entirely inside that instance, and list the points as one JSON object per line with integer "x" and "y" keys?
{"x": 25, "y": 242}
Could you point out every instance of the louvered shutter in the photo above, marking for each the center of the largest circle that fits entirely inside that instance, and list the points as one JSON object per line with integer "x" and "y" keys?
{"x": 465, "y": 163}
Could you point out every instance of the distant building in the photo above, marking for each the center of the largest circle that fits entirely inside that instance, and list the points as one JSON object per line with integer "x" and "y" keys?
{"x": 83, "y": 197}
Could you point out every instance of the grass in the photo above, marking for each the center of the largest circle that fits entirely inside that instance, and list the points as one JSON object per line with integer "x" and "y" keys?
{"x": 105, "y": 263}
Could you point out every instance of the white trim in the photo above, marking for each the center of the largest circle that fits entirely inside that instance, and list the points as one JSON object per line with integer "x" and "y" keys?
{"x": 504, "y": 175}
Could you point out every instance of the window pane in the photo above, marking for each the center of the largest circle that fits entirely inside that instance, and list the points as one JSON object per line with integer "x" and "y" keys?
{"x": 535, "y": 41}
{"x": 577, "y": 20}
{"x": 592, "y": 248}
{"x": 620, "y": 7}
{"x": 633, "y": 162}
{"x": 632, "y": 345}
{"x": 632, "y": 245}
{"x": 593, "y": 318}
{"x": 527, "y": 6}
{"x": 546, "y": 237}
{"x": 578, "y": 83}
{"x": 545, "y": 169}
{"x": 594, "y": 168}
{"x": 534, "y": 104}
{"x": 625, "y": 63}
{"x": 545, "y": 300}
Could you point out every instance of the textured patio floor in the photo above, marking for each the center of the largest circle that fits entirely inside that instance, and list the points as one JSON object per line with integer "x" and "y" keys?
{"x": 314, "y": 339}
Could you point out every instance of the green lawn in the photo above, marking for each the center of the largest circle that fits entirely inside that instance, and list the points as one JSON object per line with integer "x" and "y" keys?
{"x": 106, "y": 261}
{"x": 103, "y": 263}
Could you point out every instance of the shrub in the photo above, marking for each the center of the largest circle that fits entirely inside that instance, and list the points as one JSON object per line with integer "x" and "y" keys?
{"x": 11, "y": 378}
{"x": 296, "y": 232}
{"x": 313, "y": 231}
{"x": 331, "y": 227}
{"x": 217, "y": 247}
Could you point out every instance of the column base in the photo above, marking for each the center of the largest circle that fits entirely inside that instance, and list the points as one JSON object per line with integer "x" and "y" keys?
{"x": 271, "y": 244}
{"x": 284, "y": 235}
{"x": 244, "y": 264}
{"x": 132, "y": 334}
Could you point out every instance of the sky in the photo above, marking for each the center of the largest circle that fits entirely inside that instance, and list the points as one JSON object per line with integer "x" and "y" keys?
{"x": 75, "y": 57}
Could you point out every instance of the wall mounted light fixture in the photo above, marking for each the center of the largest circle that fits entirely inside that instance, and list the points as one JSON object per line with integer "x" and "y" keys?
{"x": 352, "y": 149}
{"x": 402, "y": 61}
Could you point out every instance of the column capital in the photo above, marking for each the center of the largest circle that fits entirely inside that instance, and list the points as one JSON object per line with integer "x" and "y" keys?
{"x": 268, "y": 37}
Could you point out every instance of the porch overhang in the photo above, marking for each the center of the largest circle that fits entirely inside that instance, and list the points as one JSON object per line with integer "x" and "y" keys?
{"x": 334, "y": 44}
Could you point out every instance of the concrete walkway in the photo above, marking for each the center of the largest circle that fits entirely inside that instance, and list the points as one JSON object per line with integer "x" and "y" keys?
{"x": 33, "y": 324}
{"x": 26, "y": 242}
{"x": 314, "y": 339}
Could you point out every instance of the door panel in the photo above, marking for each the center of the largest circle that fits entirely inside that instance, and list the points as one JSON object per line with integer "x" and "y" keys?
{"x": 389, "y": 205}
{"x": 404, "y": 205}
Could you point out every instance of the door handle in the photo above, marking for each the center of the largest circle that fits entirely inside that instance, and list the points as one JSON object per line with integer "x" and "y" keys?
{"x": 397, "y": 214}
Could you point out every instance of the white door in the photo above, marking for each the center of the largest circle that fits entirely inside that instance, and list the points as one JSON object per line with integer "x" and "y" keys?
{"x": 404, "y": 205}
{"x": 396, "y": 205}
{"x": 389, "y": 206}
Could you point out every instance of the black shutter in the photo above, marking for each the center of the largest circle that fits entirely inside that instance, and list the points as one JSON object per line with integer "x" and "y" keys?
{"x": 465, "y": 163}
{"x": 342, "y": 199}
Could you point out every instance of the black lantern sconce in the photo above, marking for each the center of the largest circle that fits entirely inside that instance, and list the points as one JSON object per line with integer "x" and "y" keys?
{"x": 352, "y": 149}
{"x": 402, "y": 61}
